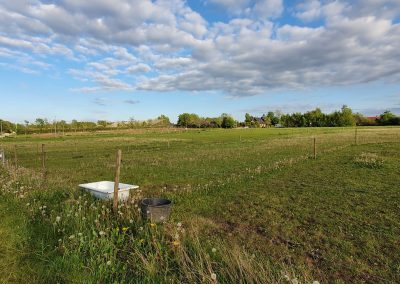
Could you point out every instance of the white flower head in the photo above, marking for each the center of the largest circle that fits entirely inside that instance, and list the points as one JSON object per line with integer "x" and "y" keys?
{"x": 213, "y": 276}
{"x": 58, "y": 219}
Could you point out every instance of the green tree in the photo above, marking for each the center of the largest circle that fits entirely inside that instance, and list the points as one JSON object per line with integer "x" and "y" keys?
{"x": 40, "y": 122}
{"x": 164, "y": 120}
{"x": 227, "y": 121}
{"x": 388, "y": 118}
{"x": 189, "y": 120}
{"x": 102, "y": 123}
{"x": 248, "y": 119}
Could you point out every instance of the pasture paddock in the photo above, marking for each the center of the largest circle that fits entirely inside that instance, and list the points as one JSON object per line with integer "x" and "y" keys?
{"x": 257, "y": 196}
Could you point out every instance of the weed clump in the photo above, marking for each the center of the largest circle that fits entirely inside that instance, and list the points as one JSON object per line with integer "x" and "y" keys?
{"x": 369, "y": 160}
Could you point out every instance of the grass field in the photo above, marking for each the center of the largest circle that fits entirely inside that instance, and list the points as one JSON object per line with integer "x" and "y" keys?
{"x": 250, "y": 206}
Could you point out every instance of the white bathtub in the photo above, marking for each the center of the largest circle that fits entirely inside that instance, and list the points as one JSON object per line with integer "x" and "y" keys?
{"x": 105, "y": 189}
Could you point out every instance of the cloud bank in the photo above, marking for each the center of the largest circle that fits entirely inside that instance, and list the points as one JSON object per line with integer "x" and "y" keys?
{"x": 164, "y": 45}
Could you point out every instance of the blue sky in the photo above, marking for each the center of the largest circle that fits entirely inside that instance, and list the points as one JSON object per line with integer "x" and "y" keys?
{"x": 113, "y": 60}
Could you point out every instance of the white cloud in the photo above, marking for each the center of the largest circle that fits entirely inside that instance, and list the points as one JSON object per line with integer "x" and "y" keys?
{"x": 139, "y": 68}
{"x": 266, "y": 9}
{"x": 163, "y": 45}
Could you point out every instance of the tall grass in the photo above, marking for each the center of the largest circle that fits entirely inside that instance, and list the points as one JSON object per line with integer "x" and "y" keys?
{"x": 82, "y": 240}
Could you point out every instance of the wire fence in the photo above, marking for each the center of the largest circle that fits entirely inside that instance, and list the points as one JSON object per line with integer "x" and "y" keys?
{"x": 183, "y": 157}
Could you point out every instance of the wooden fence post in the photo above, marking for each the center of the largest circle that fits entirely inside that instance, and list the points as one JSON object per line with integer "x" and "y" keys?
{"x": 116, "y": 181}
{"x": 43, "y": 161}
{"x": 355, "y": 136}
{"x": 3, "y": 158}
{"x": 315, "y": 148}
{"x": 15, "y": 156}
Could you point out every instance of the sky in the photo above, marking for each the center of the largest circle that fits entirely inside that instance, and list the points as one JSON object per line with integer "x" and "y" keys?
{"x": 122, "y": 59}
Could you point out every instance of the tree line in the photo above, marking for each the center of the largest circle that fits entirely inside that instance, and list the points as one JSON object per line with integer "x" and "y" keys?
{"x": 341, "y": 118}
{"x": 315, "y": 118}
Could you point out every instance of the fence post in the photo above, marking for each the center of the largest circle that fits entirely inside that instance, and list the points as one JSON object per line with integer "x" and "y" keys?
{"x": 3, "y": 159}
{"x": 116, "y": 181}
{"x": 15, "y": 156}
{"x": 315, "y": 148}
{"x": 355, "y": 136}
{"x": 43, "y": 161}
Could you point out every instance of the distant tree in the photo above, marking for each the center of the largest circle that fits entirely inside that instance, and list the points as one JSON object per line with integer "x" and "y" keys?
{"x": 75, "y": 124}
{"x": 6, "y": 126}
{"x": 273, "y": 118}
{"x": 388, "y": 118}
{"x": 26, "y": 125}
{"x": 227, "y": 121}
{"x": 40, "y": 122}
{"x": 347, "y": 116}
{"x": 102, "y": 123}
{"x": 315, "y": 118}
{"x": 189, "y": 120}
{"x": 164, "y": 120}
{"x": 248, "y": 119}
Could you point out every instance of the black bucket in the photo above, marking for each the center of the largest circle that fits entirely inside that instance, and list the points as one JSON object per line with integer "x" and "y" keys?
{"x": 156, "y": 210}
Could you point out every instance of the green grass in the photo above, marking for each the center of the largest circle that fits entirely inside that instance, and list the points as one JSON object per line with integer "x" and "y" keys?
{"x": 255, "y": 195}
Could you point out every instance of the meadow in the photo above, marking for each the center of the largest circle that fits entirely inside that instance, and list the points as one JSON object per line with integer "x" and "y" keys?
{"x": 249, "y": 206}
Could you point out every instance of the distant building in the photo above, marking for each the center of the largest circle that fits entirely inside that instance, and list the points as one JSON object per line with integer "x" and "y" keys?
{"x": 373, "y": 117}
{"x": 259, "y": 121}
